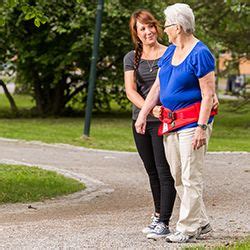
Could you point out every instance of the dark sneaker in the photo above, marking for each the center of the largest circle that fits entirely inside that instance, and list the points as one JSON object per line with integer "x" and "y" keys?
{"x": 160, "y": 231}
{"x": 206, "y": 229}
{"x": 150, "y": 228}
{"x": 179, "y": 237}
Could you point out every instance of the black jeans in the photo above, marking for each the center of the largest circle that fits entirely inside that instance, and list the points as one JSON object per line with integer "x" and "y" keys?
{"x": 151, "y": 150}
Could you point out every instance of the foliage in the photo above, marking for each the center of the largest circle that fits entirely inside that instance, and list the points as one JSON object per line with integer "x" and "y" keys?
{"x": 29, "y": 11}
{"x": 22, "y": 184}
{"x": 53, "y": 60}
{"x": 224, "y": 24}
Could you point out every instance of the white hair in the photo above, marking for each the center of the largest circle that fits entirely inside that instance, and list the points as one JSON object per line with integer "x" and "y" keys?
{"x": 182, "y": 14}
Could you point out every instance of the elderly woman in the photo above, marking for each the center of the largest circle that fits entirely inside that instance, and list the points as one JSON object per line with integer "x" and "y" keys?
{"x": 186, "y": 87}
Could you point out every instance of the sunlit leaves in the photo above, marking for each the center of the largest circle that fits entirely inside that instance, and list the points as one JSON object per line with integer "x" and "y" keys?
{"x": 29, "y": 11}
{"x": 33, "y": 12}
{"x": 12, "y": 3}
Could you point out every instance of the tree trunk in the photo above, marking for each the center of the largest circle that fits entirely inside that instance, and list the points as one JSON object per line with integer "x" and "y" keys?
{"x": 58, "y": 103}
{"x": 11, "y": 100}
{"x": 38, "y": 97}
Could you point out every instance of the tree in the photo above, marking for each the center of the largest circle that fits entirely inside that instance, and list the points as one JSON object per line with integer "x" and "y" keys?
{"x": 53, "y": 59}
{"x": 225, "y": 26}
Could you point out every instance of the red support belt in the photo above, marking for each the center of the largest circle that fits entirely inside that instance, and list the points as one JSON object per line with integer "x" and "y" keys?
{"x": 175, "y": 119}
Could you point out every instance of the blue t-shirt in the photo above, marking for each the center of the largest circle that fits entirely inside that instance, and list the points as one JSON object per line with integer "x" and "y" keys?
{"x": 179, "y": 84}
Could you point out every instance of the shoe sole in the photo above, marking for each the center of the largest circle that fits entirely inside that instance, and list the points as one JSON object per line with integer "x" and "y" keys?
{"x": 179, "y": 242}
{"x": 190, "y": 240}
{"x": 155, "y": 237}
{"x": 147, "y": 232}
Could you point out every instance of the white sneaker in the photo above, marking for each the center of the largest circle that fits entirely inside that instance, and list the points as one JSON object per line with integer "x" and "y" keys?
{"x": 179, "y": 237}
{"x": 160, "y": 231}
{"x": 150, "y": 228}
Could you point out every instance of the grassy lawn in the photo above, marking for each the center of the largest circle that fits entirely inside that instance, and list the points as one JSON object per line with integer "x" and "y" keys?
{"x": 23, "y": 102}
{"x": 231, "y": 128}
{"x": 239, "y": 245}
{"x": 106, "y": 133}
{"x": 113, "y": 131}
{"x": 22, "y": 184}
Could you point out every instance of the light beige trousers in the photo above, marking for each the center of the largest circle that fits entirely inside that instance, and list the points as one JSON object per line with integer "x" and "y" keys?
{"x": 186, "y": 166}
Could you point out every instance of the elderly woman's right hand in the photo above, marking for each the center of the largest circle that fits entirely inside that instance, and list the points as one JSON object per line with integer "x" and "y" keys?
{"x": 140, "y": 124}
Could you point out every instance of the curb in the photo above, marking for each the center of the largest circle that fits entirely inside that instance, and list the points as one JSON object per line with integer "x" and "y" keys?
{"x": 68, "y": 146}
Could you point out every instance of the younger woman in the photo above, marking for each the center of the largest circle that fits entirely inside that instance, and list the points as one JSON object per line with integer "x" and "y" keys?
{"x": 140, "y": 70}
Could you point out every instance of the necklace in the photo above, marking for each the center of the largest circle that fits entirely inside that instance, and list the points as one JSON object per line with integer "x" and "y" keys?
{"x": 151, "y": 65}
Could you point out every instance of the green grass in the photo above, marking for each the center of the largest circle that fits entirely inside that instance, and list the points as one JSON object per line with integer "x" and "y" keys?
{"x": 239, "y": 245}
{"x": 113, "y": 131}
{"x": 23, "y": 184}
{"x": 23, "y": 102}
{"x": 231, "y": 128}
{"x": 106, "y": 133}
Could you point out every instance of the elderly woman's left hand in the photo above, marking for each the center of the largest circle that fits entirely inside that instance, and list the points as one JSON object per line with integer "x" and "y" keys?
{"x": 199, "y": 139}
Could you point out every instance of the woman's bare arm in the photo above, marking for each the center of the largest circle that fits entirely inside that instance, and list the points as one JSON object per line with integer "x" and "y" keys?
{"x": 207, "y": 85}
{"x": 150, "y": 102}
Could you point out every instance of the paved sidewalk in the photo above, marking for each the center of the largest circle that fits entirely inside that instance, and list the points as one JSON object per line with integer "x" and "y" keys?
{"x": 117, "y": 205}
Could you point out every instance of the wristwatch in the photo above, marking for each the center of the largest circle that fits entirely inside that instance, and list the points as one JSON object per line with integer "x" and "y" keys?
{"x": 202, "y": 126}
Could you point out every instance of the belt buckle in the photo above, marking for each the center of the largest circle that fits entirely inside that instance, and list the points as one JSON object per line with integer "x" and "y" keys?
{"x": 171, "y": 115}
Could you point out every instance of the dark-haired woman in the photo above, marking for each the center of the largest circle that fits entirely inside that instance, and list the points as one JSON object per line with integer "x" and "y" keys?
{"x": 140, "y": 71}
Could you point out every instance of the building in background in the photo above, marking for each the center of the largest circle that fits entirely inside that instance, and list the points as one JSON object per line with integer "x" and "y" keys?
{"x": 238, "y": 76}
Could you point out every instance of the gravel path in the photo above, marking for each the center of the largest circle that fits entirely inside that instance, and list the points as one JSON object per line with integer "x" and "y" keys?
{"x": 114, "y": 208}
